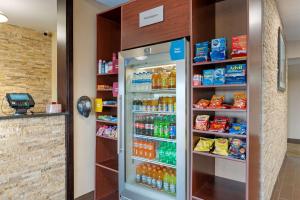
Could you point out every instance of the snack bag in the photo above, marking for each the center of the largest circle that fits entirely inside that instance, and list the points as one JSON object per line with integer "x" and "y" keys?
{"x": 240, "y": 101}
{"x": 221, "y": 147}
{"x": 216, "y": 101}
{"x": 202, "y": 103}
{"x": 239, "y": 46}
{"x": 237, "y": 149}
{"x": 238, "y": 128}
{"x": 204, "y": 145}
{"x": 219, "y": 124}
{"x": 202, "y": 122}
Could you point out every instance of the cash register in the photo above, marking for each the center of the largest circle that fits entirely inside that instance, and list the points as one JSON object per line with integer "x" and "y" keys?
{"x": 21, "y": 102}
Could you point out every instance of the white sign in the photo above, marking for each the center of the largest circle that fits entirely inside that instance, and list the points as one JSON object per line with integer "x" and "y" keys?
{"x": 152, "y": 16}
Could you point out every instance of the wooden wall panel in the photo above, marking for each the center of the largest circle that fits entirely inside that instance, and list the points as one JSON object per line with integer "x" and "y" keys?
{"x": 176, "y": 22}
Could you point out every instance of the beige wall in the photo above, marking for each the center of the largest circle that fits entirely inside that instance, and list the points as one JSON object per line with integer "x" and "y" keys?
{"x": 84, "y": 84}
{"x": 54, "y": 66}
{"x": 274, "y": 130}
{"x": 25, "y": 64}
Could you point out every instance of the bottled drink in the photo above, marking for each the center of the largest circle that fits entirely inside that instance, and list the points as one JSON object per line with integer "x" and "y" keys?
{"x": 155, "y": 80}
{"x": 170, "y": 104}
{"x": 144, "y": 174}
{"x": 146, "y": 149}
{"x": 172, "y": 79}
{"x": 164, "y": 104}
{"x": 156, "y": 126}
{"x": 135, "y": 148}
{"x": 172, "y": 127}
{"x": 149, "y": 175}
{"x": 173, "y": 154}
{"x": 161, "y": 127}
{"x": 154, "y": 177}
{"x": 166, "y": 183}
{"x": 159, "y": 182}
{"x": 166, "y": 131}
{"x": 138, "y": 176}
{"x": 134, "y": 104}
{"x": 151, "y": 126}
{"x": 173, "y": 183}
{"x": 164, "y": 80}
{"x": 174, "y": 103}
{"x": 142, "y": 125}
{"x": 137, "y": 125}
{"x": 141, "y": 148}
{"x": 151, "y": 150}
{"x": 147, "y": 126}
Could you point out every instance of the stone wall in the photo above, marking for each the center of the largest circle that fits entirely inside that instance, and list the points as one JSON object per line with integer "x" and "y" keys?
{"x": 25, "y": 64}
{"x": 32, "y": 158}
{"x": 274, "y": 130}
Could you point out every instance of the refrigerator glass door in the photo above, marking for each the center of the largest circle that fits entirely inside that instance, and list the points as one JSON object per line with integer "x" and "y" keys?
{"x": 153, "y": 109}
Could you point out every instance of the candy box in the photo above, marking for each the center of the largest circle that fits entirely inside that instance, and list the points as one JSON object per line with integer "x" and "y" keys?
{"x": 219, "y": 76}
{"x": 208, "y": 77}
{"x": 239, "y": 46}
{"x": 237, "y": 149}
{"x": 235, "y": 74}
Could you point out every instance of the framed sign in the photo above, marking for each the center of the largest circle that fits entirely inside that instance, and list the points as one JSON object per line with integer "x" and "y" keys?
{"x": 282, "y": 62}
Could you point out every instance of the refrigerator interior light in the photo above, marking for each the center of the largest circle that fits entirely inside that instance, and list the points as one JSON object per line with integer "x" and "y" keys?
{"x": 158, "y": 66}
{"x": 141, "y": 58}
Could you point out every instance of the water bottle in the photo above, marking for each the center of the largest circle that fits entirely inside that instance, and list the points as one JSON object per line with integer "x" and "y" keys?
{"x": 133, "y": 82}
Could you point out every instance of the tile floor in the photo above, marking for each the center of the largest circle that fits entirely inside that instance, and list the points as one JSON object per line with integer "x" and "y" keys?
{"x": 288, "y": 183}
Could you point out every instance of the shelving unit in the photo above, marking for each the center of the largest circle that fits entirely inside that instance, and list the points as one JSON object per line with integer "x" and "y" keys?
{"x": 210, "y": 178}
{"x": 106, "y": 166}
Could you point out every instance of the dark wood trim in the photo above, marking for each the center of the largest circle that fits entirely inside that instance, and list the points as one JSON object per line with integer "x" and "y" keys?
{"x": 293, "y": 141}
{"x": 255, "y": 21}
{"x": 65, "y": 82}
{"x": 87, "y": 196}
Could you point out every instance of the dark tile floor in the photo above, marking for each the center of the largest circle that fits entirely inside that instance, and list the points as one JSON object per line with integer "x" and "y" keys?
{"x": 288, "y": 183}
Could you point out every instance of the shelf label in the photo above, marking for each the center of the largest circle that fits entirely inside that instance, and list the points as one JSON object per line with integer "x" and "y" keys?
{"x": 152, "y": 16}
{"x": 177, "y": 49}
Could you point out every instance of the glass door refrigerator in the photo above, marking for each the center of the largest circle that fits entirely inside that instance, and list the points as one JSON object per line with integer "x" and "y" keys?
{"x": 154, "y": 109}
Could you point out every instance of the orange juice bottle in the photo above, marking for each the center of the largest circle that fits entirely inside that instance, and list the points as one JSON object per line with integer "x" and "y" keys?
{"x": 149, "y": 175}
{"x": 174, "y": 103}
{"x": 159, "y": 181}
{"x": 158, "y": 83}
{"x": 154, "y": 178}
{"x": 144, "y": 174}
{"x": 135, "y": 148}
{"x": 152, "y": 154}
{"x": 172, "y": 79}
{"x": 138, "y": 175}
{"x": 164, "y": 80}
{"x": 141, "y": 148}
{"x": 155, "y": 80}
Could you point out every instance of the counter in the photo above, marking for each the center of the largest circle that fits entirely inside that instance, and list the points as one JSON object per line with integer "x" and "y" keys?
{"x": 32, "y": 156}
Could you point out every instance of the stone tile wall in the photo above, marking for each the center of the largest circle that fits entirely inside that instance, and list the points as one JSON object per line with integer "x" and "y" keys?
{"x": 32, "y": 158}
{"x": 274, "y": 130}
{"x": 25, "y": 64}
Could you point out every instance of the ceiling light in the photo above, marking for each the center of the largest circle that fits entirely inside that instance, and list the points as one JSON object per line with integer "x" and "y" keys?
{"x": 3, "y": 18}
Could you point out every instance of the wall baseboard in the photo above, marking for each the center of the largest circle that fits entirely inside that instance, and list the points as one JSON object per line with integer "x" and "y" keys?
{"x": 293, "y": 141}
{"x": 87, "y": 196}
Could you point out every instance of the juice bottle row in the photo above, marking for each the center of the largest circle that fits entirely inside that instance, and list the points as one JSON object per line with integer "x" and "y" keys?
{"x": 157, "y": 177}
{"x": 148, "y": 149}
{"x": 156, "y": 126}
{"x": 162, "y": 104}
{"x": 157, "y": 79}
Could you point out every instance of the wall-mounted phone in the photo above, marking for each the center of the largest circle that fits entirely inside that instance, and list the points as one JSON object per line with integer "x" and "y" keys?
{"x": 21, "y": 102}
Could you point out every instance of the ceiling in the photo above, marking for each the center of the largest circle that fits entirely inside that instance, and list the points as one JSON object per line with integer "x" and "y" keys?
{"x": 40, "y": 15}
{"x": 290, "y": 14}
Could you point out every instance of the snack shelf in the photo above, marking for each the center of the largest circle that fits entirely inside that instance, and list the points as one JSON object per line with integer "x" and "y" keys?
{"x": 111, "y": 165}
{"x": 108, "y": 74}
{"x": 154, "y": 138}
{"x": 106, "y": 122}
{"x": 219, "y": 110}
{"x": 218, "y": 156}
{"x": 231, "y": 60}
{"x": 155, "y": 91}
{"x": 153, "y": 162}
{"x": 221, "y": 134}
{"x": 106, "y": 137}
{"x": 226, "y": 86}
{"x": 154, "y": 112}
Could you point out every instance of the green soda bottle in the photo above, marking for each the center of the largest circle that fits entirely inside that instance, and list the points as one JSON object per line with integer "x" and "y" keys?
{"x": 156, "y": 126}
{"x": 161, "y": 127}
{"x": 166, "y": 127}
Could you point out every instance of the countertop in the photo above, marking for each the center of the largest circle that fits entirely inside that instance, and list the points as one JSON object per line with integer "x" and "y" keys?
{"x": 6, "y": 117}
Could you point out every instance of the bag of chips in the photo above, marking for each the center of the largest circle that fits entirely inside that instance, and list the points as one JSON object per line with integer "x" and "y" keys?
{"x": 202, "y": 103}
{"x": 219, "y": 124}
{"x": 216, "y": 101}
{"x": 202, "y": 122}
{"x": 221, "y": 147}
{"x": 240, "y": 101}
{"x": 238, "y": 128}
{"x": 237, "y": 149}
{"x": 204, "y": 145}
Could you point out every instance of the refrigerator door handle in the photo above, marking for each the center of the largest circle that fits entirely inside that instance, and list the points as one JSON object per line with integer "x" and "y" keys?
{"x": 120, "y": 108}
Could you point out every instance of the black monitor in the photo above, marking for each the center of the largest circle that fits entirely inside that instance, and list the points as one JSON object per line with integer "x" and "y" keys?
{"x": 21, "y": 102}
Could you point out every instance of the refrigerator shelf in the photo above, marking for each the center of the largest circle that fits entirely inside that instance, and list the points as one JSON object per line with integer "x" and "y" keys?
{"x": 155, "y": 91}
{"x": 154, "y": 138}
{"x": 154, "y": 112}
{"x": 153, "y": 162}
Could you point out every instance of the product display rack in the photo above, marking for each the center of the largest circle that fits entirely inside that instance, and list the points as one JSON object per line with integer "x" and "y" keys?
{"x": 209, "y": 178}
{"x": 106, "y": 166}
